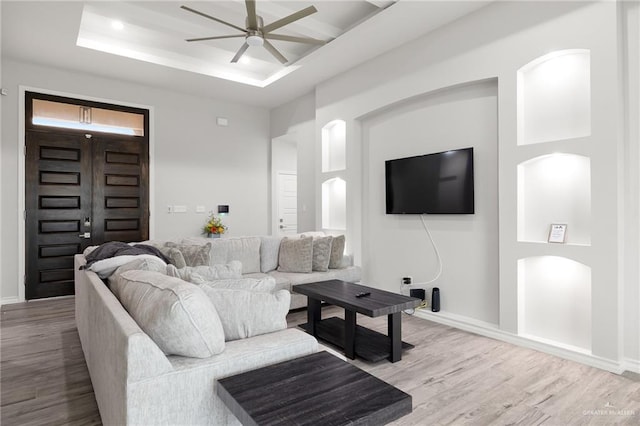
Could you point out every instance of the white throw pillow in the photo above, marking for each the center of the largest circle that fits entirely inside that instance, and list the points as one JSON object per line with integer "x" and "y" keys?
{"x": 321, "y": 253}
{"x": 296, "y": 255}
{"x": 337, "y": 252}
{"x": 265, "y": 285}
{"x": 141, "y": 264}
{"x": 176, "y": 315}
{"x": 106, "y": 267}
{"x": 194, "y": 274}
{"x": 246, "y": 313}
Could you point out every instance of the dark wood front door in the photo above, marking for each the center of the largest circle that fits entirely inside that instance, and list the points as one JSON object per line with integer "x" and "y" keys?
{"x": 82, "y": 188}
{"x": 58, "y": 199}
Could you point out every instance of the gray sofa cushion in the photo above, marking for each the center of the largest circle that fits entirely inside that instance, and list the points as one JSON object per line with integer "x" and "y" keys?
{"x": 296, "y": 255}
{"x": 194, "y": 255}
{"x": 245, "y": 313}
{"x": 143, "y": 264}
{"x": 337, "y": 252}
{"x": 269, "y": 251}
{"x": 196, "y": 274}
{"x": 321, "y": 253}
{"x": 175, "y": 257}
{"x": 266, "y": 284}
{"x": 177, "y": 315}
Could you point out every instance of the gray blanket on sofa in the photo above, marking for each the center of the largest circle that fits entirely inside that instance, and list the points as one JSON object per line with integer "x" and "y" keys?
{"x": 117, "y": 248}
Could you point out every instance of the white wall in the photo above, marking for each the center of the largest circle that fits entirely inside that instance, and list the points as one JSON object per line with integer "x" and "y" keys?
{"x": 296, "y": 120}
{"x": 494, "y": 43}
{"x": 195, "y": 162}
{"x": 457, "y": 117}
{"x": 631, "y": 231}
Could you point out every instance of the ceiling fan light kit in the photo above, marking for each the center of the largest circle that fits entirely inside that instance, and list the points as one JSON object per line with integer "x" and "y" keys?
{"x": 257, "y": 34}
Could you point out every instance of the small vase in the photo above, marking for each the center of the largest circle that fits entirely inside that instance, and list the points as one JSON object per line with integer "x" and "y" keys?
{"x": 213, "y": 235}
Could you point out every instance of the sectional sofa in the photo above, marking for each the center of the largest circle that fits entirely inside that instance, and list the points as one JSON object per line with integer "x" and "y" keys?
{"x": 138, "y": 379}
{"x": 261, "y": 256}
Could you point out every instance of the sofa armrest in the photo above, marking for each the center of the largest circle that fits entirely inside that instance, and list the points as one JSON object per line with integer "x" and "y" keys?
{"x": 116, "y": 350}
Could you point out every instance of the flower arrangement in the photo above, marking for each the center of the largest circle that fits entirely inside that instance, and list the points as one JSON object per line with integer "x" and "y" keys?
{"x": 214, "y": 225}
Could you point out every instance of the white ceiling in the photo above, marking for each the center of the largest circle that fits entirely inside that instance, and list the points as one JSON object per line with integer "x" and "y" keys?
{"x": 153, "y": 33}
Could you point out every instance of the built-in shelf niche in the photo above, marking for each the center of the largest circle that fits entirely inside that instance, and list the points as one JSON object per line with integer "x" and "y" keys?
{"x": 334, "y": 204}
{"x": 554, "y": 97}
{"x": 334, "y": 135}
{"x": 554, "y": 298}
{"x": 555, "y": 188}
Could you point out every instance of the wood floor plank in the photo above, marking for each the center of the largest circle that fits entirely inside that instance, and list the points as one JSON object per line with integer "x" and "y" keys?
{"x": 454, "y": 377}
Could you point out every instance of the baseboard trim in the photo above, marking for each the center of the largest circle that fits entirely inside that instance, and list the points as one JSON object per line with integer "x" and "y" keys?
{"x": 492, "y": 331}
{"x": 632, "y": 365}
{"x": 9, "y": 300}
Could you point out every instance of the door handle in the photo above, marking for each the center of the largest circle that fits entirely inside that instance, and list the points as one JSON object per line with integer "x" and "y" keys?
{"x": 85, "y": 235}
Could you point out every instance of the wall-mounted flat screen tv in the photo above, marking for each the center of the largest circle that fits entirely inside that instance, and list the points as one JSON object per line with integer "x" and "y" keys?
{"x": 439, "y": 183}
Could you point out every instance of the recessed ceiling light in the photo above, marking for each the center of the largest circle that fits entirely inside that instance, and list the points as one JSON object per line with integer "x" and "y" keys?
{"x": 117, "y": 25}
{"x": 245, "y": 60}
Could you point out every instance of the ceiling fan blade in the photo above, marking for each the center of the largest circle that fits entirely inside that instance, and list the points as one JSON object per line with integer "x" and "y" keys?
{"x": 282, "y": 37}
{"x": 211, "y": 17}
{"x": 215, "y": 37}
{"x": 252, "y": 18}
{"x": 275, "y": 52}
{"x": 243, "y": 49}
{"x": 289, "y": 19}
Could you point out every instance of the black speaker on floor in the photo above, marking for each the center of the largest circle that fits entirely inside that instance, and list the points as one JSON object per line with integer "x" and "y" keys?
{"x": 435, "y": 300}
{"x": 418, "y": 293}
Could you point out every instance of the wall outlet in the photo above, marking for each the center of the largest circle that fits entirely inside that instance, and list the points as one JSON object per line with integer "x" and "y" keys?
{"x": 179, "y": 209}
{"x": 407, "y": 280}
{"x": 200, "y": 209}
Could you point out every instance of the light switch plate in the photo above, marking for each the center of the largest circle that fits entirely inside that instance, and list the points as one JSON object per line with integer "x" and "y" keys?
{"x": 179, "y": 209}
{"x": 199, "y": 209}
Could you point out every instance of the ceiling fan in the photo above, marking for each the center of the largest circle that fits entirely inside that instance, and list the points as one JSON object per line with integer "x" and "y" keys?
{"x": 258, "y": 34}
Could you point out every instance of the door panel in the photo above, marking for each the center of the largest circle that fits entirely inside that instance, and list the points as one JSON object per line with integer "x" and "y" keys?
{"x": 120, "y": 188}
{"x": 58, "y": 198}
{"x": 287, "y": 203}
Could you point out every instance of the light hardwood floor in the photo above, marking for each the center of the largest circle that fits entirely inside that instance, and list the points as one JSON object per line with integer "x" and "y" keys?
{"x": 454, "y": 377}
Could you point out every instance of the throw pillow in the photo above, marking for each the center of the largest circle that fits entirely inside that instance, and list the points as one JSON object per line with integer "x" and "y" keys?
{"x": 176, "y": 315}
{"x": 269, "y": 250}
{"x": 232, "y": 269}
{"x": 321, "y": 253}
{"x": 296, "y": 255}
{"x": 249, "y": 313}
{"x": 175, "y": 257}
{"x": 265, "y": 285}
{"x": 193, "y": 274}
{"x": 144, "y": 264}
{"x": 337, "y": 252}
{"x": 193, "y": 255}
{"x": 105, "y": 267}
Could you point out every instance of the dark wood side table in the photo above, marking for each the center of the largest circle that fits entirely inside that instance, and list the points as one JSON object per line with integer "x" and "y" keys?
{"x": 318, "y": 389}
{"x": 354, "y": 339}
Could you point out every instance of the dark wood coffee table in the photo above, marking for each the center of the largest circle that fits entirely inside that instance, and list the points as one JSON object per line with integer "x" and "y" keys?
{"x": 357, "y": 340}
{"x": 317, "y": 389}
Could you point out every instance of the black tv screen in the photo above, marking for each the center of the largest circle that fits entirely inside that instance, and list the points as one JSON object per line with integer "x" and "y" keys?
{"x": 440, "y": 183}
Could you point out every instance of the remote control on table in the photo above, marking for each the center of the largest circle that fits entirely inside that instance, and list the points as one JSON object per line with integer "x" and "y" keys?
{"x": 363, "y": 294}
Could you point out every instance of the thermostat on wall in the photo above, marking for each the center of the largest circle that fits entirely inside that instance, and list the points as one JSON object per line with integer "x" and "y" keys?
{"x": 223, "y": 209}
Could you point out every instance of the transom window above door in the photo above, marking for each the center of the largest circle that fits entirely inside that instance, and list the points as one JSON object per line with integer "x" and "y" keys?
{"x": 70, "y": 116}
